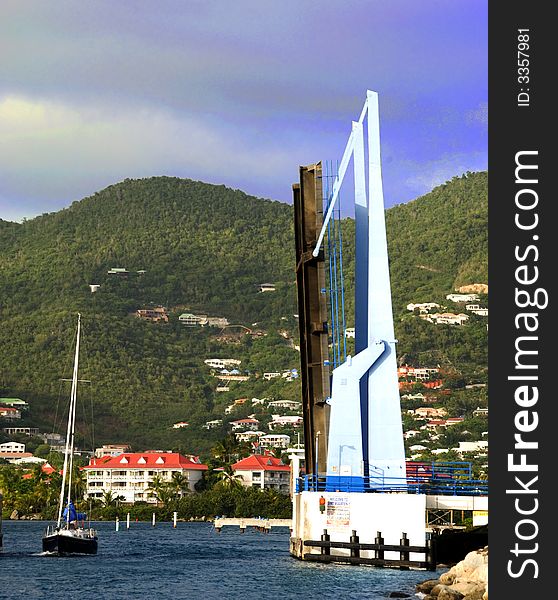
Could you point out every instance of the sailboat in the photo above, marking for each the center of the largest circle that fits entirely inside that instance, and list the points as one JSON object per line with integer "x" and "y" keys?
{"x": 69, "y": 535}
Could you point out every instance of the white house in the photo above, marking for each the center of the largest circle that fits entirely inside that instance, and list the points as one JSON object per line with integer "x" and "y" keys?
{"x": 248, "y": 436}
{"x": 350, "y": 332}
{"x": 266, "y": 287}
{"x": 264, "y": 472}
{"x": 190, "y": 320}
{"x": 269, "y": 376}
{"x": 111, "y": 450}
{"x": 275, "y": 440}
{"x": 222, "y": 363}
{"x": 447, "y": 318}
{"x": 13, "y": 447}
{"x": 289, "y": 404}
{"x": 131, "y": 474}
{"x": 213, "y": 424}
{"x": 477, "y": 309}
{"x": 285, "y": 421}
{"x": 180, "y": 425}
{"x": 245, "y": 423}
{"x": 479, "y": 446}
{"x": 462, "y": 297}
{"x": 423, "y": 307}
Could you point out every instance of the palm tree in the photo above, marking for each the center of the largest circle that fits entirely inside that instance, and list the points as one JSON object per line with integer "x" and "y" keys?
{"x": 111, "y": 499}
{"x": 229, "y": 480}
{"x": 181, "y": 483}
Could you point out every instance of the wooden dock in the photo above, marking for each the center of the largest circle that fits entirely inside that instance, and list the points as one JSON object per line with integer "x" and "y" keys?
{"x": 256, "y": 523}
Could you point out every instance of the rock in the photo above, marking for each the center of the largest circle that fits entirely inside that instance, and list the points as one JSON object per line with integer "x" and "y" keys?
{"x": 399, "y": 595}
{"x": 447, "y": 578}
{"x": 450, "y": 594}
{"x": 478, "y": 595}
{"x": 468, "y": 587}
{"x": 435, "y": 591}
{"x": 15, "y": 515}
{"x": 426, "y": 586}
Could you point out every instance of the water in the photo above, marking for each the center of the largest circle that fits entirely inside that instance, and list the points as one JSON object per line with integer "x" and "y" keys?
{"x": 189, "y": 562}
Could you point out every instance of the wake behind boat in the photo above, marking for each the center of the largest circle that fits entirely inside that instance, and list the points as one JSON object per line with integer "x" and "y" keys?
{"x": 69, "y": 535}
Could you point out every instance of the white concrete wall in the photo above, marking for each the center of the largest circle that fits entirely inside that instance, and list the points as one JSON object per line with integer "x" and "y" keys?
{"x": 391, "y": 514}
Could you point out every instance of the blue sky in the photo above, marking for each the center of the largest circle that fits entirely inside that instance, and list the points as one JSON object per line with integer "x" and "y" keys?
{"x": 238, "y": 93}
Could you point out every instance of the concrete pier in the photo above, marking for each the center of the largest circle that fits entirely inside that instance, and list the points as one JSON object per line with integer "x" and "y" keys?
{"x": 242, "y": 523}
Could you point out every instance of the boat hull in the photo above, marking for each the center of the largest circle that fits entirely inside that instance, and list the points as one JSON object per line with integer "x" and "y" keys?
{"x": 69, "y": 544}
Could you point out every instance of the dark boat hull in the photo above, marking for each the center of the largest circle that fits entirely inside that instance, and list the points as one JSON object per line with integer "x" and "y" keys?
{"x": 68, "y": 544}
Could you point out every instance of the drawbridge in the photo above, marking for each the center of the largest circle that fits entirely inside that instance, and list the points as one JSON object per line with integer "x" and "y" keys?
{"x": 356, "y": 477}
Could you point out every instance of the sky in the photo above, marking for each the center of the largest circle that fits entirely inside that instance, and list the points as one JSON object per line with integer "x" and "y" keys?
{"x": 233, "y": 92}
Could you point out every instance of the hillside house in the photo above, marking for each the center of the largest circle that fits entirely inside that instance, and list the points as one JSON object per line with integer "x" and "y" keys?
{"x": 446, "y": 318}
{"x": 285, "y": 421}
{"x": 266, "y": 287}
{"x": 213, "y": 424}
{"x": 12, "y": 447}
{"x": 222, "y": 363}
{"x": 191, "y": 320}
{"x": 157, "y": 314}
{"x": 180, "y": 425}
{"x": 411, "y": 433}
{"x": 248, "y": 436}
{"x": 417, "y": 373}
{"x": 29, "y": 431}
{"x": 459, "y": 298}
{"x": 131, "y": 474}
{"x": 480, "y": 446}
{"x": 118, "y": 272}
{"x": 9, "y": 412}
{"x": 429, "y": 412}
{"x": 477, "y": 310}
{"x": 275, "y": 440}
{"x": 480, "y": 412}
{"x": 350, "y": 333}
{"x": 264, "y": 472}
{"x": 217, "y": 322}
{"x": 443, "y": 423}
{"x": 423, "y": 307}
{"x": 288, "y": 404}
{"x": 268, "y": 376}
{"x": 94, "y": 287}
{"x": 245, "y": 424}
{"x": 14, "y": 403}
{"x": 111, "y": 450}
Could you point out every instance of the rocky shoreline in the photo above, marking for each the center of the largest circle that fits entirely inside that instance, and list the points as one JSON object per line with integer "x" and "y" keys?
{"x": 467, "y": 580}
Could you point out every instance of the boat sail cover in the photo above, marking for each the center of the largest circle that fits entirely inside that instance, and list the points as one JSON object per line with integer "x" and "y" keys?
{"x": 70, "y": 514}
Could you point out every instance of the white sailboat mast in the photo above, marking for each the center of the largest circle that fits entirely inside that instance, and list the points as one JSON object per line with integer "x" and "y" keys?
{"x": 69, "y": 448}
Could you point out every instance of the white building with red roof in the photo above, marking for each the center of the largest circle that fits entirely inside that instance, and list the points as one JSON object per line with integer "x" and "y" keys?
{"x": 131, "y": 474}
{"x": 264, "y": 472}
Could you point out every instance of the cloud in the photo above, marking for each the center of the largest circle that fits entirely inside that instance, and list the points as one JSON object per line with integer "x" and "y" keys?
{"x": 59, "y": 150}
{"x": 478, "y": 115}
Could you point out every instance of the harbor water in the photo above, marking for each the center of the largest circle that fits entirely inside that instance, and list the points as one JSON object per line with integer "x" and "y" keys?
{"x": 192, "y": 561}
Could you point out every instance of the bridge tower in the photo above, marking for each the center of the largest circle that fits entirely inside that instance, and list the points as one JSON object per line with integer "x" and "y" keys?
{"x": 353, "y": 427}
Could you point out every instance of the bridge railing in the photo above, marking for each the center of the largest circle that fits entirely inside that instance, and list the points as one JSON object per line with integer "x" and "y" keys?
{"x": 446, "y": 479}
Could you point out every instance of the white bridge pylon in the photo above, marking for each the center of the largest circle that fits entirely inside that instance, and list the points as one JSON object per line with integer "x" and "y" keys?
{"x": 365, "y": 445}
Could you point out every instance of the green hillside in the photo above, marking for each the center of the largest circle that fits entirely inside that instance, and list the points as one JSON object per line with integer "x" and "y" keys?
{"x": 204, "y": 249}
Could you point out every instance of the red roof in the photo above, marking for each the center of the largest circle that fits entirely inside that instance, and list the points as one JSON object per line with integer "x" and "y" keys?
{"x": 46, "y": 468}
{"x": 258, "y": 462}
{"x": 148, "y": 460}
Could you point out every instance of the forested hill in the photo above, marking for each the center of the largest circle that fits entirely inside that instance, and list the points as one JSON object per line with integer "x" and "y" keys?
{"x": 204, "y": 248}
{"x": 200, "y": 245}
{"x": 439, "y": 241}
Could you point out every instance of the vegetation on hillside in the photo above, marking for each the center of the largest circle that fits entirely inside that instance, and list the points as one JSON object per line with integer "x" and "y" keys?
{"x": 204, "y": 248}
